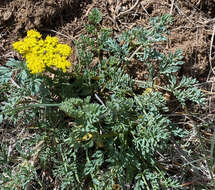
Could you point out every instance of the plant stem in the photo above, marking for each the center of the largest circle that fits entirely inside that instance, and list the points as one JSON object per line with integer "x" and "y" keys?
{"x": 30, "y": 106}
{"x": 135, "y": 52}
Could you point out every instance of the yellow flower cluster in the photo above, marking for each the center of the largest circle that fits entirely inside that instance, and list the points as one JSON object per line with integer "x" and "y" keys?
{"x": 40, "y": 53}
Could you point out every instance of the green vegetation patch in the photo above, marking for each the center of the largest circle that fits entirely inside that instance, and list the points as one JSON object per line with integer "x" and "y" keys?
{"x": 95, "y": 126}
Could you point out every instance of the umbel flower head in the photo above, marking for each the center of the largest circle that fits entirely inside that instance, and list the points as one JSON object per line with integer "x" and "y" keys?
{"x": 40, "y": 53}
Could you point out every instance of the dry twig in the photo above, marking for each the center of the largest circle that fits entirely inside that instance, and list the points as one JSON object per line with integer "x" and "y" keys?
{"x": 127, "y": 11}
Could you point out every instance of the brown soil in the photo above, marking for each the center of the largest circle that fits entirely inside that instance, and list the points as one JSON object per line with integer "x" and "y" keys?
{"x": 191, "y": 31}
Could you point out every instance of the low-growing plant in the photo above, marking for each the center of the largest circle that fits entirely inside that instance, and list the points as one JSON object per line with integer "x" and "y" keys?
{"x": 95, "y": 126}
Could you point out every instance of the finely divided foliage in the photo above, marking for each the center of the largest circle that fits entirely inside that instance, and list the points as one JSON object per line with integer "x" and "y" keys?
{"x": 92, "y": 127}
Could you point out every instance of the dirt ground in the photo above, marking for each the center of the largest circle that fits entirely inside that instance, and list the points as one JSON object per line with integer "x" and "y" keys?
{"x": 192, "y": 30}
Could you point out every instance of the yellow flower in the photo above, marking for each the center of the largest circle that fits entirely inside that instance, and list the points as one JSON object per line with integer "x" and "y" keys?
{"x": 33, "y": 34}
{"x": 51, "y": 41}
{"x": 40, "y": 53}
{"x": 64, "y": 50}
{"x": 87, "y": 137}
{"x": 35, "y": 63}
{"x": 148, "y": 91}
{"x": 20, "y": 47}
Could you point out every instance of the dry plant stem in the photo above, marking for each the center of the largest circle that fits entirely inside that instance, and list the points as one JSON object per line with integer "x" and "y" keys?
{"x": 207, "y": 162}
{"x": 180, "y": 11}
{"x": 211, "y": 93}
{"x": 99, "y": 99}
{"x": 30, "y": 106}
{"x": 127, "y": 11}
{"x": 185, "y": 157}
{"x": 211, "y": 67}
{"x": 135, "y": 52}
{"x": 172, "y": 5}
{"x": 88, "y": 10}
{"x": 61, "y": 34}
{"x": 14, "y": 83}
{"x": 139, "y": 81}
{"x": 210, "y": 99}
{"x": 68, "y": 37}
{"x": 210, "y": 55}
{"x": 212, "y": 149}
{"x": 203, "y": 150}
{"x": 145, "y": 9}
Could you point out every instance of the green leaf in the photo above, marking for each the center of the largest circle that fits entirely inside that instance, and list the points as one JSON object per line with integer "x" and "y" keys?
{"x": 1, "y": 118}
{"x": 5, "y": 74}
{"x": 171, "y": 63}
{"x": 95, "y": 17}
